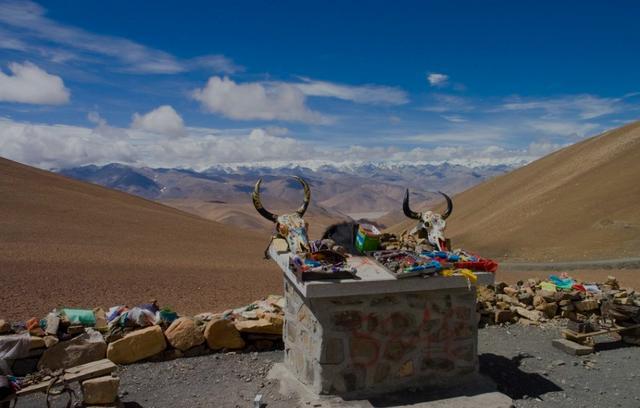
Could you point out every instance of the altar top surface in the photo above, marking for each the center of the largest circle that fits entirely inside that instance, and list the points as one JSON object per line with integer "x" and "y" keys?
{"x": 374, "y": 279}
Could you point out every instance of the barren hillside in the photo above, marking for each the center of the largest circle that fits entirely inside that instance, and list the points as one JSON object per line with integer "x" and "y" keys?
{"x": 582, "y": 202}
{"x": 70, "y": 243}
{"x": 244, "y": 215}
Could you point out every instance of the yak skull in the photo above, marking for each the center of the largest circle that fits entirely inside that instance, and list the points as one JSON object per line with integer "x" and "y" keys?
{"x": 430, "y": 222}
{"x": 291, "y": 227}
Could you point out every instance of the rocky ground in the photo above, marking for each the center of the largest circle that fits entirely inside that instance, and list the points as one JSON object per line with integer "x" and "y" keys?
{"x": 520, "y": 359}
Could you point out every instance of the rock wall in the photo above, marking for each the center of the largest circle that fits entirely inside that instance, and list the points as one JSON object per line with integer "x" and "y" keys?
{"x": 378, "y": 343}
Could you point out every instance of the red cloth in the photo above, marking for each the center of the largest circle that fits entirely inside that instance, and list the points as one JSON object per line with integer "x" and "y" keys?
{"x": 579, "y": 286}
{"x": 481, "y": 265}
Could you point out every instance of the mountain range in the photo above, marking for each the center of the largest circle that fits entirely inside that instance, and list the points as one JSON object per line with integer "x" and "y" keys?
{"x": 339, "y": 192}
{"x": 70, "y": 243}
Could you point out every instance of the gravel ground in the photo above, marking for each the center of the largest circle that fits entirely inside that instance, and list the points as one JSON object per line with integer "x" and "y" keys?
{"x": 526, "y": 367}
{"x": 519, "y": 359}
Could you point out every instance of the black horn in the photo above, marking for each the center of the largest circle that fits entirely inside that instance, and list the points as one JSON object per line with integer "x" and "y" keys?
{"x": 307, "y": 196}
{"x": 447, "y": 213}
{"x": 258, "y": 203}
{"x": 407, "y": 209}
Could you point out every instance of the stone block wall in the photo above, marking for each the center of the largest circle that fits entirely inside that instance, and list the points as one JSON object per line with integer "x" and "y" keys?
{"x": 378, "y": 343}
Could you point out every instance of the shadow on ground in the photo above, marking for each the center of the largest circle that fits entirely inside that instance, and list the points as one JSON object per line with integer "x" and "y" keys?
{"x": 511, "y": 380}
{"x": 410, "y": 397}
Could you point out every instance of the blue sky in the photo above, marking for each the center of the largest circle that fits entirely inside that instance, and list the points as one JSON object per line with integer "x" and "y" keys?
{"x": 193, "y": 84}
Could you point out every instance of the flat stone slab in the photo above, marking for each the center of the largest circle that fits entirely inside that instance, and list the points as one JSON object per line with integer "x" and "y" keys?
{"x": 374, "y": 279}
{"x": 479, "y": 393}
{"x": 571, "y": 347}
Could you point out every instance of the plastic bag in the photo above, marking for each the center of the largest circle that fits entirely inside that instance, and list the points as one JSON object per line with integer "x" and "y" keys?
{"x": 84, "y": 317}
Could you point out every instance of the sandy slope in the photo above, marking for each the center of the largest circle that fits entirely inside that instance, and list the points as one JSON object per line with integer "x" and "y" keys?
{"x": 244, "y": 215}
{"x": 69, "y": 243}
{"x": 582, "y": 202}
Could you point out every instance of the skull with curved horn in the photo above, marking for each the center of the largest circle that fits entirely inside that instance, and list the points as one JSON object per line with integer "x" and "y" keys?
{"x": 290, "y": 226}
{"x": 431, "y": 222}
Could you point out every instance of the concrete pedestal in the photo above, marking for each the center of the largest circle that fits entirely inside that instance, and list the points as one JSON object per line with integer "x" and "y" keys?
{"x": 380, "y": 334}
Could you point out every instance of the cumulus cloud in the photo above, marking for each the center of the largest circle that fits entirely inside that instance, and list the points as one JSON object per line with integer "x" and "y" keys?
{"x": 58, "y": 146}
{"x": 28, "y": 24}
{"x": 368, "y": 94}
{"x": 52, "y": 146}
{"x": 163, "y": 120}
{"x": 437, "y": 80}
{"x": 255, "y": 100}
{"x": 27, "y": 83}
{"x": 275, "y": 100}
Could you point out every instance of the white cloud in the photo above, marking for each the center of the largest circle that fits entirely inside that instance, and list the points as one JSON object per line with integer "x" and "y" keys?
{"x": 57, "y": 146}
{"x": 441, "y": 103}
{"x": 49, "y": 146}
{"x": 454, "y": 118}
{"x": 275, "y": 100}
{"x": 163, "y": 120}
{"x": 29, "y": 84}
{"x": 542, "y": 148}
{"x": 27, "y": 22}
{"x": 255, "y": 100}
{"x": 585, "y": 106}
{"x": 437, "y": 80}
{"x": 472, "y": 134}
{"x": 369, "y": 94}
{"x": 563, "y": 128}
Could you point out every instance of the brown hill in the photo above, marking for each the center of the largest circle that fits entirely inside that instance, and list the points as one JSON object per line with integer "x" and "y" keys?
{"x": 70, "y": 243}
{"x": 579, "y": 203}
{"x": 244, "y": 215}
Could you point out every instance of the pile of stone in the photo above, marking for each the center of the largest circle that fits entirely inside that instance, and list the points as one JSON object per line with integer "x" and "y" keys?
{"x": 535, "y": 301}
{"x": 55, "y": 342}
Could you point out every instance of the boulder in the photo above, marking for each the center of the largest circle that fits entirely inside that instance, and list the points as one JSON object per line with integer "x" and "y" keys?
{"x": 504, "y": 316}
{"x": 538, "y": 301}
{"x": 36, "y": 342}
{"x": 100, "y": 391}
{"x": 137, "y": 345}
{"x": 533, "y": 315}
{"x": 549, "y": 310}
{"x": 85, "y": 348}
{"x": 509, "y": 291}
{"x": 50, "y": 341}
{"x": 184, "y": 334}
{"x": 101, "y": 319}
{"x": 269, "y": 324}
{"x": 485, "y": 294}
{"x": 566, "y": 304}
{"x": 500, "y": 287}
{"x": 506, "y": 299}
{"x": 612, "y": 282}
{"x": 547, "y": 295}
{"x": 586, "y": 306}
{"x": 525, "y": 298}
{"x": 5, "y": 327}
{"x": 222, "y": 334}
